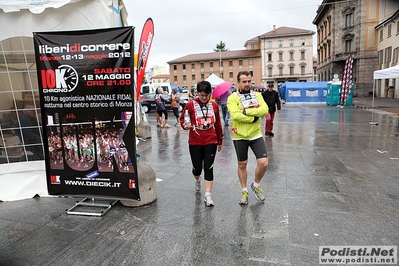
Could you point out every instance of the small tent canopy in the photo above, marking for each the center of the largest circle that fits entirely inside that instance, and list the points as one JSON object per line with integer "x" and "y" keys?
{"x": 214, "y": 80}
{"x": 388, "y": 73}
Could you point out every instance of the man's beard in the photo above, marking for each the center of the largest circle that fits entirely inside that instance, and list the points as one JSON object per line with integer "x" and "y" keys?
{"x": 245, "y": 90}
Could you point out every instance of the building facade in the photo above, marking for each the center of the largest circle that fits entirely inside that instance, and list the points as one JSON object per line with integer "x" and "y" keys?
{"x": 388, "y": 54}
{"x": 188, "y": 70}
{"x": 287, "y": 55}
{"x": 347, "y": 28}
{"x": 160, "y": 78}
{"x": 284, "y": 54}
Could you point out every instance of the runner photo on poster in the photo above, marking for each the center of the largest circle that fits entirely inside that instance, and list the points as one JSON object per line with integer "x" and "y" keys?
{"x": 86, "y": 86}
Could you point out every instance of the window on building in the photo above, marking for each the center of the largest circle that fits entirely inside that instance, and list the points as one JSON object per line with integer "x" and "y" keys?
{"x": 184, "y": 77}
{"x": 269, "y": 44}
{"x": 381, "y": 57}
{"x": 349, "y": 20}
{"x": 303, "y": 70}
{"x": 302, "y": 55}
{"x": 270, "y": 71}
{"x": 291, "y": 70}
{"x": 175, "y": 79}
{"x": 269, "y": 57}
{"x": 280, "y": 43}
{"x": 221, "y": 75}
{"x": 388, "y": 55}
{"x": 252, "y": 46}
{"x": 174, "y": 67}
{"x": 220, "y": 63}
{"x": 193, "y": 77}
{"x": 230, "y": 63}
{"x": 192, "y": 66}
{"x": 302, "y": 41}
{"x": 280, "y": 56}
{"x": 395, "y": 56}
{"x": 250, "y": 61}
{"x": 184, "y": 66}
{"x": 381, "y": 34}
{"x": 231, "y": 75}
{"x": 291, "y": 42}
{"x": 211, "y": 64}
{"x": 202, "y": 64}
{"x": 291, "y": 55}
{"x": 389, "y": 30}
{"x": 240, "y": 62}
{"x": 348, "y": 46}
{"x": 202, "y": 76}
{"x": 280, "y": 71}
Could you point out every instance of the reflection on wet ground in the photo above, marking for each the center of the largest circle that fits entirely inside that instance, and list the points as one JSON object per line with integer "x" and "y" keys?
{"x": 332, "y": 180}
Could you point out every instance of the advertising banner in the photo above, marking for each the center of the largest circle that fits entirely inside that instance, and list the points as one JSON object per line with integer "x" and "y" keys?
{"x": 86, "y": 87}
{"x": 145, "y": 43}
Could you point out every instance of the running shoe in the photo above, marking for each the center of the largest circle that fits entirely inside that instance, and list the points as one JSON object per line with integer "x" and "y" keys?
{"x": 258, "y": 192}
{"x": 244, "y": 198}
{"x": 208, "y": 201}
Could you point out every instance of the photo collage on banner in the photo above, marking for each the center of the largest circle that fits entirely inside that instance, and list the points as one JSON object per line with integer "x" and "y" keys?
{"x": 86, "y": 86}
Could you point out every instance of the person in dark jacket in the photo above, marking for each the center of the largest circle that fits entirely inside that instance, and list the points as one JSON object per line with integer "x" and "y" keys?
{"x": 272, "y": 100}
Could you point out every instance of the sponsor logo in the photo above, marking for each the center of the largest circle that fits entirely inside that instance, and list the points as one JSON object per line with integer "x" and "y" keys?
{"x": 358, "y": 255}
{"x": 132, "y": 183}
{"x": 145, "y": 50}
{"x": 63, "y": 79}
{"x": 55, "y": 179}
{"x": 92, "y": 175}
{"x": 77, "y": 47}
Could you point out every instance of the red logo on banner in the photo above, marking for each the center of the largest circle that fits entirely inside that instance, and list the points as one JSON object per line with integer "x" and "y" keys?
{"x": 132, "y": 183}
{"x": 144, "y": 49}
{"x": 55, "y": 179}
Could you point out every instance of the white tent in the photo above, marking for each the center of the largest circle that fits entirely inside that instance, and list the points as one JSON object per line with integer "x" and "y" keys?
{"x": 388, "y": 73}
{"x": 18, "y": 20}
{"x": 214, "y": 80}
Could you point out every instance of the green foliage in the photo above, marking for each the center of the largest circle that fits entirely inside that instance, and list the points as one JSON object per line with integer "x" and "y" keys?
{"x": 221, "y": 47}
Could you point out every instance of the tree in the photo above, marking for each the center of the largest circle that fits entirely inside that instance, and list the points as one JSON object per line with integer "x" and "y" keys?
{"x": 221, "y": 47}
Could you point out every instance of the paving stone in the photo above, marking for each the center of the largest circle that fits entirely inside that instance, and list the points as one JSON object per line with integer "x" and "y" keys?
{"x": 326, "y": 184}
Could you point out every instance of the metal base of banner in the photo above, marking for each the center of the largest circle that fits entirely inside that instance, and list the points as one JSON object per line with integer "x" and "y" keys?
{"x": 92, "y": 207}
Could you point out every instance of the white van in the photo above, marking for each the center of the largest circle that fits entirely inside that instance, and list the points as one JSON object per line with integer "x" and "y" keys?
{"x": 152, "y": 88}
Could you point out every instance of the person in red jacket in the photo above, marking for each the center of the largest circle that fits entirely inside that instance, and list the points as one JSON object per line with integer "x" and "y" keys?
{"x": 205, "y": 137}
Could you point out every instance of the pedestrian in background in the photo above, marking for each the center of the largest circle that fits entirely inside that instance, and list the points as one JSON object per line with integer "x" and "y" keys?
{"x": 205, "y": 137}
{"x": 272, "y": 100}
{"x": 223, "y": 103}
{"x": 246, "y": 107}
{"x": 160, "y": 100}
{"x": 175, "y": 104}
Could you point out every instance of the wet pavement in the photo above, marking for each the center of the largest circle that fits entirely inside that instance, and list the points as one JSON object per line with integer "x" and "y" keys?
{"x": 332, "y": 180}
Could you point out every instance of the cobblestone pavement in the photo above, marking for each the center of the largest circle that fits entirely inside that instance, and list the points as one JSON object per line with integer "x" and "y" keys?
{"x": 332, "y": 180}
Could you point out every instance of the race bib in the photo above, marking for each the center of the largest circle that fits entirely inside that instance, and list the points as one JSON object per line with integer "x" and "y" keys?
{"x": 249, "y": 100}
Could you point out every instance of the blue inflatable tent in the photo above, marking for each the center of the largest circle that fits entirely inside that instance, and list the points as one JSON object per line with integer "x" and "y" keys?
{"x": 304, "y": 91}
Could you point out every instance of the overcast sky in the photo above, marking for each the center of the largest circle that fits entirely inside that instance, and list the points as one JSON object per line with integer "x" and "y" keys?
{"x": 183, "y": 27}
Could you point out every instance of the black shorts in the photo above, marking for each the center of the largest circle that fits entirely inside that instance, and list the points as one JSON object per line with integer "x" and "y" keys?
{"x": 258, "y": 146}
{"x": 176, "y": 112}
{"x": 164, "y": 112}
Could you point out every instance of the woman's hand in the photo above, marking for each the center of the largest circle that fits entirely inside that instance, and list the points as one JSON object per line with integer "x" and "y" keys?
{"x": 187, "y": 126}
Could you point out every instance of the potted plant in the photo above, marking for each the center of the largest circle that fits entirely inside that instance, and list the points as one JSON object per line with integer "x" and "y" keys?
{"x": 370, "y": 93}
